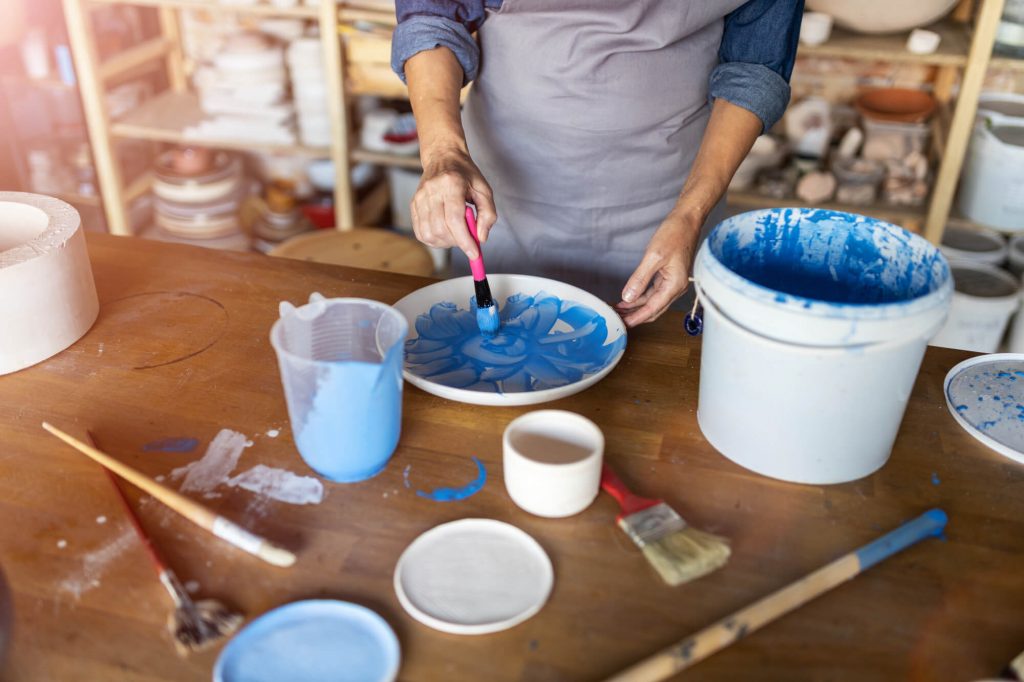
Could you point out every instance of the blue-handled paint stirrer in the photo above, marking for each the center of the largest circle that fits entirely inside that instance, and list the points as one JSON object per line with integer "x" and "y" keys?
{"x": 732, "y": 628}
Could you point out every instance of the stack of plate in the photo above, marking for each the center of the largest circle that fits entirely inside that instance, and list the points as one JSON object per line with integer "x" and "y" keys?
{"x": 198, "y": 200}
{"x": 243, "y": 91}
{"x": 309, "y": 87}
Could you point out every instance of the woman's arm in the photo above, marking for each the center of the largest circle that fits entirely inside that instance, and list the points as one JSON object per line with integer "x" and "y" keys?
{"x": 449, "y": 175}
{"x": 750, "y": 89}
{"x": 664, "y": 272}
{"x": 433, "y": 51}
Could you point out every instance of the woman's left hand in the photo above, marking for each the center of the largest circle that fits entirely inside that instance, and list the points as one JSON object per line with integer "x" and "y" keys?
{"x": 664, "y": 272}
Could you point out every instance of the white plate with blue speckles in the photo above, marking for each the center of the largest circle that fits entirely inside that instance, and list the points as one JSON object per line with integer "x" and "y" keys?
{"x": 555, "y": 340}
{"x": 985, "y": 395}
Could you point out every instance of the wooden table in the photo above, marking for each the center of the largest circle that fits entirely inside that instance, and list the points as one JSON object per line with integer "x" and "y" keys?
{"x": 181, "y": 349}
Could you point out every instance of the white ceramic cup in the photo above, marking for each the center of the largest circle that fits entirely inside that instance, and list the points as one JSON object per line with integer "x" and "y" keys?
{"x": 552, "y": 461}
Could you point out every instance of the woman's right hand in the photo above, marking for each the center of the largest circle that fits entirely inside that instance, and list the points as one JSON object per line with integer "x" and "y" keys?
{"x": 450, "y": 178}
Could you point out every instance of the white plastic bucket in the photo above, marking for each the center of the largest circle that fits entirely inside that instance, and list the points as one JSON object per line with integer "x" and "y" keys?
{"x": 985, "y": 298}
{"x": 992, "y": 185}
{"x": 1015, "y": 255}
{"x": 974, "y": 245}
{"x": 815, "y": 323}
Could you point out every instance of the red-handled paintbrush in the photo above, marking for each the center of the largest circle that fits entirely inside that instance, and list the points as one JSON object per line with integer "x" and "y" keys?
{"x": 194, "y": 625}
{"x": 678, "y": 552}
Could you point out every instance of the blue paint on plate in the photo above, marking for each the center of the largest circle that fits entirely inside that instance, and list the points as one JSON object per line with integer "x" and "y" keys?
{"x": 543, "y": 343}
{"x": 320, "y": 640}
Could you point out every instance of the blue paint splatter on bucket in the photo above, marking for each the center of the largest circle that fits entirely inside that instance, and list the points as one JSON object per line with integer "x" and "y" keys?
{"x": 828, "y": 256}
{"x": 543, "y": 343}
{"x": 461, "y": 492}
{"x": 171, "y": 445}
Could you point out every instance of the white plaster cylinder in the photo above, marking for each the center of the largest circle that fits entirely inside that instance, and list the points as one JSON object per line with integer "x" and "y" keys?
{"x": 47, "y": 294}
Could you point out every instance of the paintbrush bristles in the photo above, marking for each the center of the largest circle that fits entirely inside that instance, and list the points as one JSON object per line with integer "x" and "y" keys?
{"x": 687, "y": 555}
{"x": 201, "y": 626}
{"x": 677, "y": 551}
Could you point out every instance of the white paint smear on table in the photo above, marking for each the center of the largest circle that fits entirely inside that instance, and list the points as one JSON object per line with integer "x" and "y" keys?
{"x": 274, "y": 433}
{"x": 221, "y": 458}
{"x": 281, "y": 485}
{"x": 213, "y": 469}
{"x": 95, "y": 563}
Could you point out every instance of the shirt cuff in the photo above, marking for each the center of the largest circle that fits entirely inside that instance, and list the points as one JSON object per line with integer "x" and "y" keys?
{"x": 425, "y": 32}
{"x": 754, "y": 87}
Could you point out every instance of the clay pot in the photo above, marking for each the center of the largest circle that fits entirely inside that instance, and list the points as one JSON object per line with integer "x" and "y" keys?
{"x": 900, "y": 105}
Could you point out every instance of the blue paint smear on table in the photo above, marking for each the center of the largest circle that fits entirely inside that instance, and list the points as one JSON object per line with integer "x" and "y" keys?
{"x": 459, "y": 493}
{"x": 172, "y": 445}
{"x": 828, "y": 256}
{"x": 935, "y": 478}
{"x": 543, "y": 343}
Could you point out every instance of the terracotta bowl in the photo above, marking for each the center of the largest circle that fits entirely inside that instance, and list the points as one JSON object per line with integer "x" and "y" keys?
{"x": 896, "y": 104}
{"x": 883, "y": 16}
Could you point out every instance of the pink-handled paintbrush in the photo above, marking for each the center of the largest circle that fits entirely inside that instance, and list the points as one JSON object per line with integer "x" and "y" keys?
{"x": 486, "y": 307}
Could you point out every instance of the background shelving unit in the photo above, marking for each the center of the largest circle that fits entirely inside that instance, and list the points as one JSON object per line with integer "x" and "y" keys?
{"x": 356, "y": 38}
{"x": 961, "y": 62}
{"x": 164, "y": 117}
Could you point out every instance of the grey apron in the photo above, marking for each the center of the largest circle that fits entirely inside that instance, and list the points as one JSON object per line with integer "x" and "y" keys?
{"x": 585, "y": 119}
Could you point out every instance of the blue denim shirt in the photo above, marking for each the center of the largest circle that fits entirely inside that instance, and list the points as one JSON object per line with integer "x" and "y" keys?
{"x": 756, "y": 56}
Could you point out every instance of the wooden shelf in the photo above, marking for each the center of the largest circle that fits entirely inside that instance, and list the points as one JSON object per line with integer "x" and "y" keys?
{"x": 902, "y": 215}
{"x": 842, "y": 43}
{"x": 299, "y": 11}
{"x": 165, "y": 117}
{"x": 1007, "y": 63}
{"x": 386, "y": 159}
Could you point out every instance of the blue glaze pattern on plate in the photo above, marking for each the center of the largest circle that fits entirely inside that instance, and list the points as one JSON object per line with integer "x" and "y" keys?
{"x": 985, "y": 394}
{"x": 319, "y": 640}
{"x": 543, "y": 342}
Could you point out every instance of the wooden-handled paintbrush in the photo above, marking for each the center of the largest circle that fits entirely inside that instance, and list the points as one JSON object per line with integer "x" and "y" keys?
{"x": 677, "y": 551}
{"x": 194, "y": 625}
{"x": 732, "y": 628}
{"x": 190, "y": 509}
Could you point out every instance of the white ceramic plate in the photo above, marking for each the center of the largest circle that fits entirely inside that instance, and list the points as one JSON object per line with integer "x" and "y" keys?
{"x": 983, "y": 395}
{"x": 473, "y": 577}
{"x": 581, "y": 362}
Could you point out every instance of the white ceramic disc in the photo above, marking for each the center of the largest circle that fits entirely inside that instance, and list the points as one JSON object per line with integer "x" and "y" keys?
{"x": 594, "y": 339}
{"x": 985, "y": 395}
{"x": 473, "y": 576}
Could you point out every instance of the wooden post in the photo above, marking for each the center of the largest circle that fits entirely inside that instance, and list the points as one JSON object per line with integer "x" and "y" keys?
{"x": 108, "y": 172}
{"x": 963, "y": 119}
{"x": 334, "y": 67}
{"x": 174, "y": 59}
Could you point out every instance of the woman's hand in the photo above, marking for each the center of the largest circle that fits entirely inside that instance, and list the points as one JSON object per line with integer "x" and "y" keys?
{"x": 664, "y": 272}
{"x": 439, "y": 206}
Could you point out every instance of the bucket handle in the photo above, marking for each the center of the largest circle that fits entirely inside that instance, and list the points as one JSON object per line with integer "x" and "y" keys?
{"x": 693, "y": 323}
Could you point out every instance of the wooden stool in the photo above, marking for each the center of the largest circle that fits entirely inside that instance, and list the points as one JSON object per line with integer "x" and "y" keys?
{"x": 370, "y": 248}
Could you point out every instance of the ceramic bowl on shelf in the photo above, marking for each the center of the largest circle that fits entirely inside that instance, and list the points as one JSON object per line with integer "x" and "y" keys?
{"x": 898, "y": 105}
{"x": 883, "y": 16}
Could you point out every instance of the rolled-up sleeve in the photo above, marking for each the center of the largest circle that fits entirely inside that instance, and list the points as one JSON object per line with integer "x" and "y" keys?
{"x": 427, "y": 24}
{"x": 756, "y": 58}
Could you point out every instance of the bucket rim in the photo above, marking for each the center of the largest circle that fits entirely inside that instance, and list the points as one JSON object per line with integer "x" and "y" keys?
{"x": 817, "y": 308}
